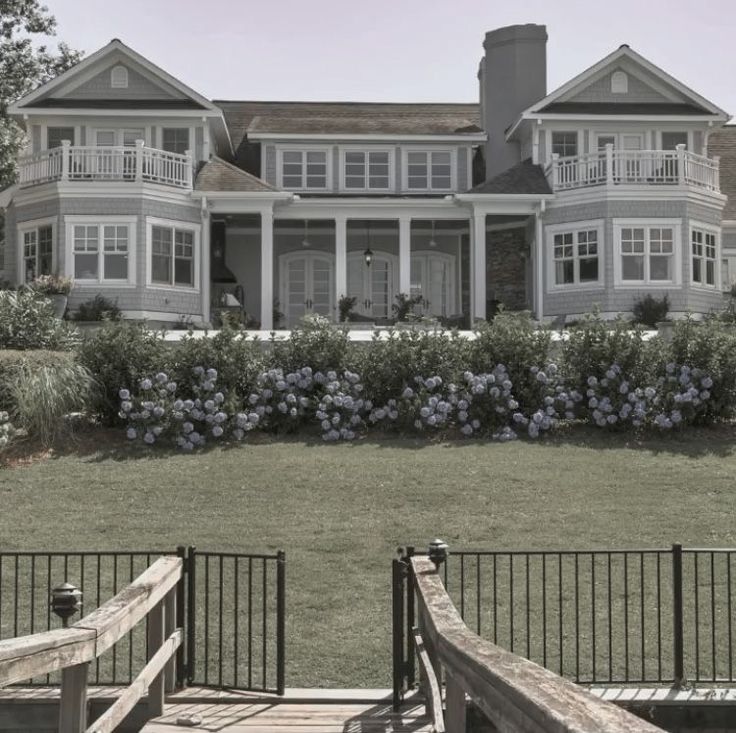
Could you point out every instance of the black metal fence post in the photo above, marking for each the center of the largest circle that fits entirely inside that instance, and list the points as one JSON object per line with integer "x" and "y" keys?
{"x": 191, "y": 612}
{"x": 280, "y": 621}
{"x": 677, "y": 616}
{"x": 397, "y": 586}
{"x": 181, "y": 671}
{"x": 410, "y": 618}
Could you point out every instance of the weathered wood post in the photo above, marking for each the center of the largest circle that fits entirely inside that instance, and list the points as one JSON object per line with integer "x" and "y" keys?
{"x": 169, "y": 628}
{"x": 155, "y": 640}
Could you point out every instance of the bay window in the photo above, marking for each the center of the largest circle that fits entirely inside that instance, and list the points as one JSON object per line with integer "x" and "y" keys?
{"x": 429, "y": 170}
{"x": 172, "y": 249}
{"x": 303, "y": 169}
{"x": 367, "y": 169}
{"x": 704, "y": 254}
{"x": 575, "y": 255}
{"x": 646, "y": 252}
{"x": 101, "y": 250}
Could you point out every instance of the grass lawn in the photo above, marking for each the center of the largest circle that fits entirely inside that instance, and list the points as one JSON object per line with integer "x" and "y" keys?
{"x": 341, "y": 511}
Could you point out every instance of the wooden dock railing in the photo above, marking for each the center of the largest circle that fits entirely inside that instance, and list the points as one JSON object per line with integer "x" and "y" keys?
{"x": 152, "y": 594}
{"x": 516, "y": 695}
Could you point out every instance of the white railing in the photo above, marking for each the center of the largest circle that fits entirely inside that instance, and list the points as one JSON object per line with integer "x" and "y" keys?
{"x": 106, "y": 163}
{"x": 626, "y": 167}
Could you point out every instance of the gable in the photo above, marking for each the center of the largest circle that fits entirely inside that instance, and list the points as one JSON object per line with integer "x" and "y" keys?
{"x": 637, "y": 90}
{"x": 139, "y": 86}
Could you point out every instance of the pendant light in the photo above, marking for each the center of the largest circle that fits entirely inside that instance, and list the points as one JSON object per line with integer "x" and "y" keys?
{"x": 432, "y": 242}
{"x": 368, "y": 254}
{"x": 305, "y": 241}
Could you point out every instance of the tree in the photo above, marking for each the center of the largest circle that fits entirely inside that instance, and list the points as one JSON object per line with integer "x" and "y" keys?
{"x": 24, "y": 65}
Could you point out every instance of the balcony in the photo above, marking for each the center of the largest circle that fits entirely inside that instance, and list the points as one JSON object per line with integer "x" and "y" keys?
{"x": 115, "y": 163}
{"x": 611, "y": 167}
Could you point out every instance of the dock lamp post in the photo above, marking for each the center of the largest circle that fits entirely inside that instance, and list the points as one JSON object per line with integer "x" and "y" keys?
{"x": 66, "y": 600}
{"x": 437, "y": 552}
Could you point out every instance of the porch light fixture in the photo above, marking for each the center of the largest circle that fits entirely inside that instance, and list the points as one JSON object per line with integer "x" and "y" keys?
{"x": 368, "y": 254}
{"x": 432, "y": 242}
{"x": 305, "y": 241}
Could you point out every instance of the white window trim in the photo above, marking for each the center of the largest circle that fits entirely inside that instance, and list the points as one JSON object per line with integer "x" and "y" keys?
{"x": 89, "y": 220}
{"x": 574, "y": 227}
{"x": 118, "y": 132}
{"x": 152, "y": 221}
{"x": 368, "y": 149}
{"x": 327, "y": 149}
{"x": 675, "y": 225}
{"x": 568, "y": 131}
{"x": 711, "y": 229}
{"x": 27, "y": 226}
{"x": 427, "y": 149}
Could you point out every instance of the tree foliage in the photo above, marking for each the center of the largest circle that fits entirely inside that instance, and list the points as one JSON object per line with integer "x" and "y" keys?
{"x": 26, "y": 61}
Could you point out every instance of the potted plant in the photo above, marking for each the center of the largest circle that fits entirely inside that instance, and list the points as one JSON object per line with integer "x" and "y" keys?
{"x": 403, "y": 308}
{"x": 345, "y": 307}
{"x": 56, "y": 288}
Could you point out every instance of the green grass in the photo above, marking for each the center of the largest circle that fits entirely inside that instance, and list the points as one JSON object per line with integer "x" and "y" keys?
{"x": 341, "y": 511}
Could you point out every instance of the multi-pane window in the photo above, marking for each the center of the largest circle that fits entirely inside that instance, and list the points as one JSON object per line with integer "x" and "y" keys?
{"x": 565, "y": 144}
{"x": 37, "y": 252}
{"x": 55, "y": 136}
{"x": 647, "y": 254}
{"x": 175, "y": 140}
{"x": 115, "y": 252}
{"x": 101, "y": 252}
{"x": 576, "y": 257}
{"x": 86, "y": 252}
{"x": 430, "y": 170}
{"x": 670, "y": 140}
{"x": 304, "y": 169}
{"x": 367, "y": 169}
{"x": 172, "y": 256}
{"x": 703, "y": 245}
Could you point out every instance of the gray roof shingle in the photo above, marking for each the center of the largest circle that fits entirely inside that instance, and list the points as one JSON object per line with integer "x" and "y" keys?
{"x": 219, "y": 175}
{"x": 723, "y": 143}
{"x": 524, "y": 177}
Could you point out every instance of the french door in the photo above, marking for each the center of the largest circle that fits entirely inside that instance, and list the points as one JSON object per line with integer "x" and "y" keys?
{"x": 433, "y": 280}
{"x": 307, "y": 285}
{"x": 626, "y": 167}
{"x": 110, "y": 164}
{"x": 373, "y": 286}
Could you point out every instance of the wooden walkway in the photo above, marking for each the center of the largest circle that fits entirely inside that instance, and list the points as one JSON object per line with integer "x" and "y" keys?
{"x": 318, "y": 716}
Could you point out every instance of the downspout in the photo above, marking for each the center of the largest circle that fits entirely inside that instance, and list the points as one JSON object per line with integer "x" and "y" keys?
{"x": 539, "y": 271}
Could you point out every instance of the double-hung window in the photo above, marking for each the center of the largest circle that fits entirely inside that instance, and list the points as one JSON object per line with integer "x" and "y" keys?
{"x": 101, "y": 250}
{"x": 429, "y": 170}
{"x": 564, "y": 144}
{"x": 173, "y": 255}
{"x": 38, "y": 248}
{"x": 175, "y": 140}
{"x": 704, "y": 253}
{"x": 56, "y": 135}
{"x": 576, "y": 256}
{"x": 646, "y": 253}
{"x": 367, "y": 170}
{"x": 304, "y": 169}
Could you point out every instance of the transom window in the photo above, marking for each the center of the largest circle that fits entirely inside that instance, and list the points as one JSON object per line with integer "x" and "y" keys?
{"x": 304, "y": 169}
{"x": 55, "y": 136}
{"x": 576, "y": 257}
{"x": 101, "y": 252}
{"x": 175, "y": 140}
{"x": 429, "y": 170}
{"x": 172, "y": 256}
{"x": 367, "y": 169}
{"x": 704, "y": 250}
{"x": 647, "y": 254}
{"x": 38, "y": 248}
{"x": 565, "y": 144}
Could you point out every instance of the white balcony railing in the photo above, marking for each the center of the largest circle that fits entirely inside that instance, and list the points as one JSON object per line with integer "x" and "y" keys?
{"x": 106, "y": 163}
{"x": 640, "y": 167}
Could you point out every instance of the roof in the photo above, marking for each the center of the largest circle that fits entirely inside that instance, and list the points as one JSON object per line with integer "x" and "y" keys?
{"x": 624, "y": 108}
{"x": 524, "y": 177}
{"x": 349, "y": 118}
{"x": 723, "y": 143}
{"x": 219, "y": 175}
{"x": 61, "y": 102}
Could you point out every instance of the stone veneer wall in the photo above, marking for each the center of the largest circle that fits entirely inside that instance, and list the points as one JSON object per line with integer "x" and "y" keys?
{"x": 506, "y": 266}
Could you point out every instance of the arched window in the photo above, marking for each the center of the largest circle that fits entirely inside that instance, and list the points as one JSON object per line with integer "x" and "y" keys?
{"x": 119, "y": 77}
{"x": 619, "y": 83}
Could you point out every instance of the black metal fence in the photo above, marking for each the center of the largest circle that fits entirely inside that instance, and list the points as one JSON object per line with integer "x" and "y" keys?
{"x": 595, "y": 616}
{"x": 232, "y": 607}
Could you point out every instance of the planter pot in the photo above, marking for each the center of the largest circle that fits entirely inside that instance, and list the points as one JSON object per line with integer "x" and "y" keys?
{"x": 59, "y": 302}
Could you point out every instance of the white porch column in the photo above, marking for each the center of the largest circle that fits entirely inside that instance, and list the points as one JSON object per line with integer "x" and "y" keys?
{"x": 405, "y": 255}
{"x": 478, "y": 290}
{"x": 267, "y": 269}
{"x": 538, "y": 268}
{"x": 205, "y": 246}
{"x": 341, "y": 256}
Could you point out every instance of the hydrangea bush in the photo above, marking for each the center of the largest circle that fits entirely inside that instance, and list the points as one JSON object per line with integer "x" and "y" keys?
{"x": 7, "y": 431}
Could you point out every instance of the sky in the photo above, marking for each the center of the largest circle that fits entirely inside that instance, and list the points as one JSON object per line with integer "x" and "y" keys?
{"x": 397, "y": 50}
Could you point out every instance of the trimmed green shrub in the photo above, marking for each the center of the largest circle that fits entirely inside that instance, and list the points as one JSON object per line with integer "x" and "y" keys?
{"x": 43, "y": 397}
{"x": 98, "y": 308}
{"x": 649, "y": 311}
{"x": 119, "y": 355}
{"x": 27, "y": 321}
{"x": 314, "y": 342}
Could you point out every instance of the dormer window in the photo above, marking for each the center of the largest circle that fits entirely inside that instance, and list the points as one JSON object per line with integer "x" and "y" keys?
{"x": 119, "y": 77}
{"x": 304, "y": 169}
{"x": 619, "y": 83}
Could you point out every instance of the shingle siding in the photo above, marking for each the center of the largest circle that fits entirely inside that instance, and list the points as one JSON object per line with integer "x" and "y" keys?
{"x": 270, "y": 172}
{"x": 600, "y": 91}
{"x": 139, "y": 87}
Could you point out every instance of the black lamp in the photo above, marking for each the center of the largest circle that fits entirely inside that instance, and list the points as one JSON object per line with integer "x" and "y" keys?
{"x": 368, "y": 254}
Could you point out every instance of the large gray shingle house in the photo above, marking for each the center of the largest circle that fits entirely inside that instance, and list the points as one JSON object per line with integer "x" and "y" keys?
{"x": 597, "y": 193}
